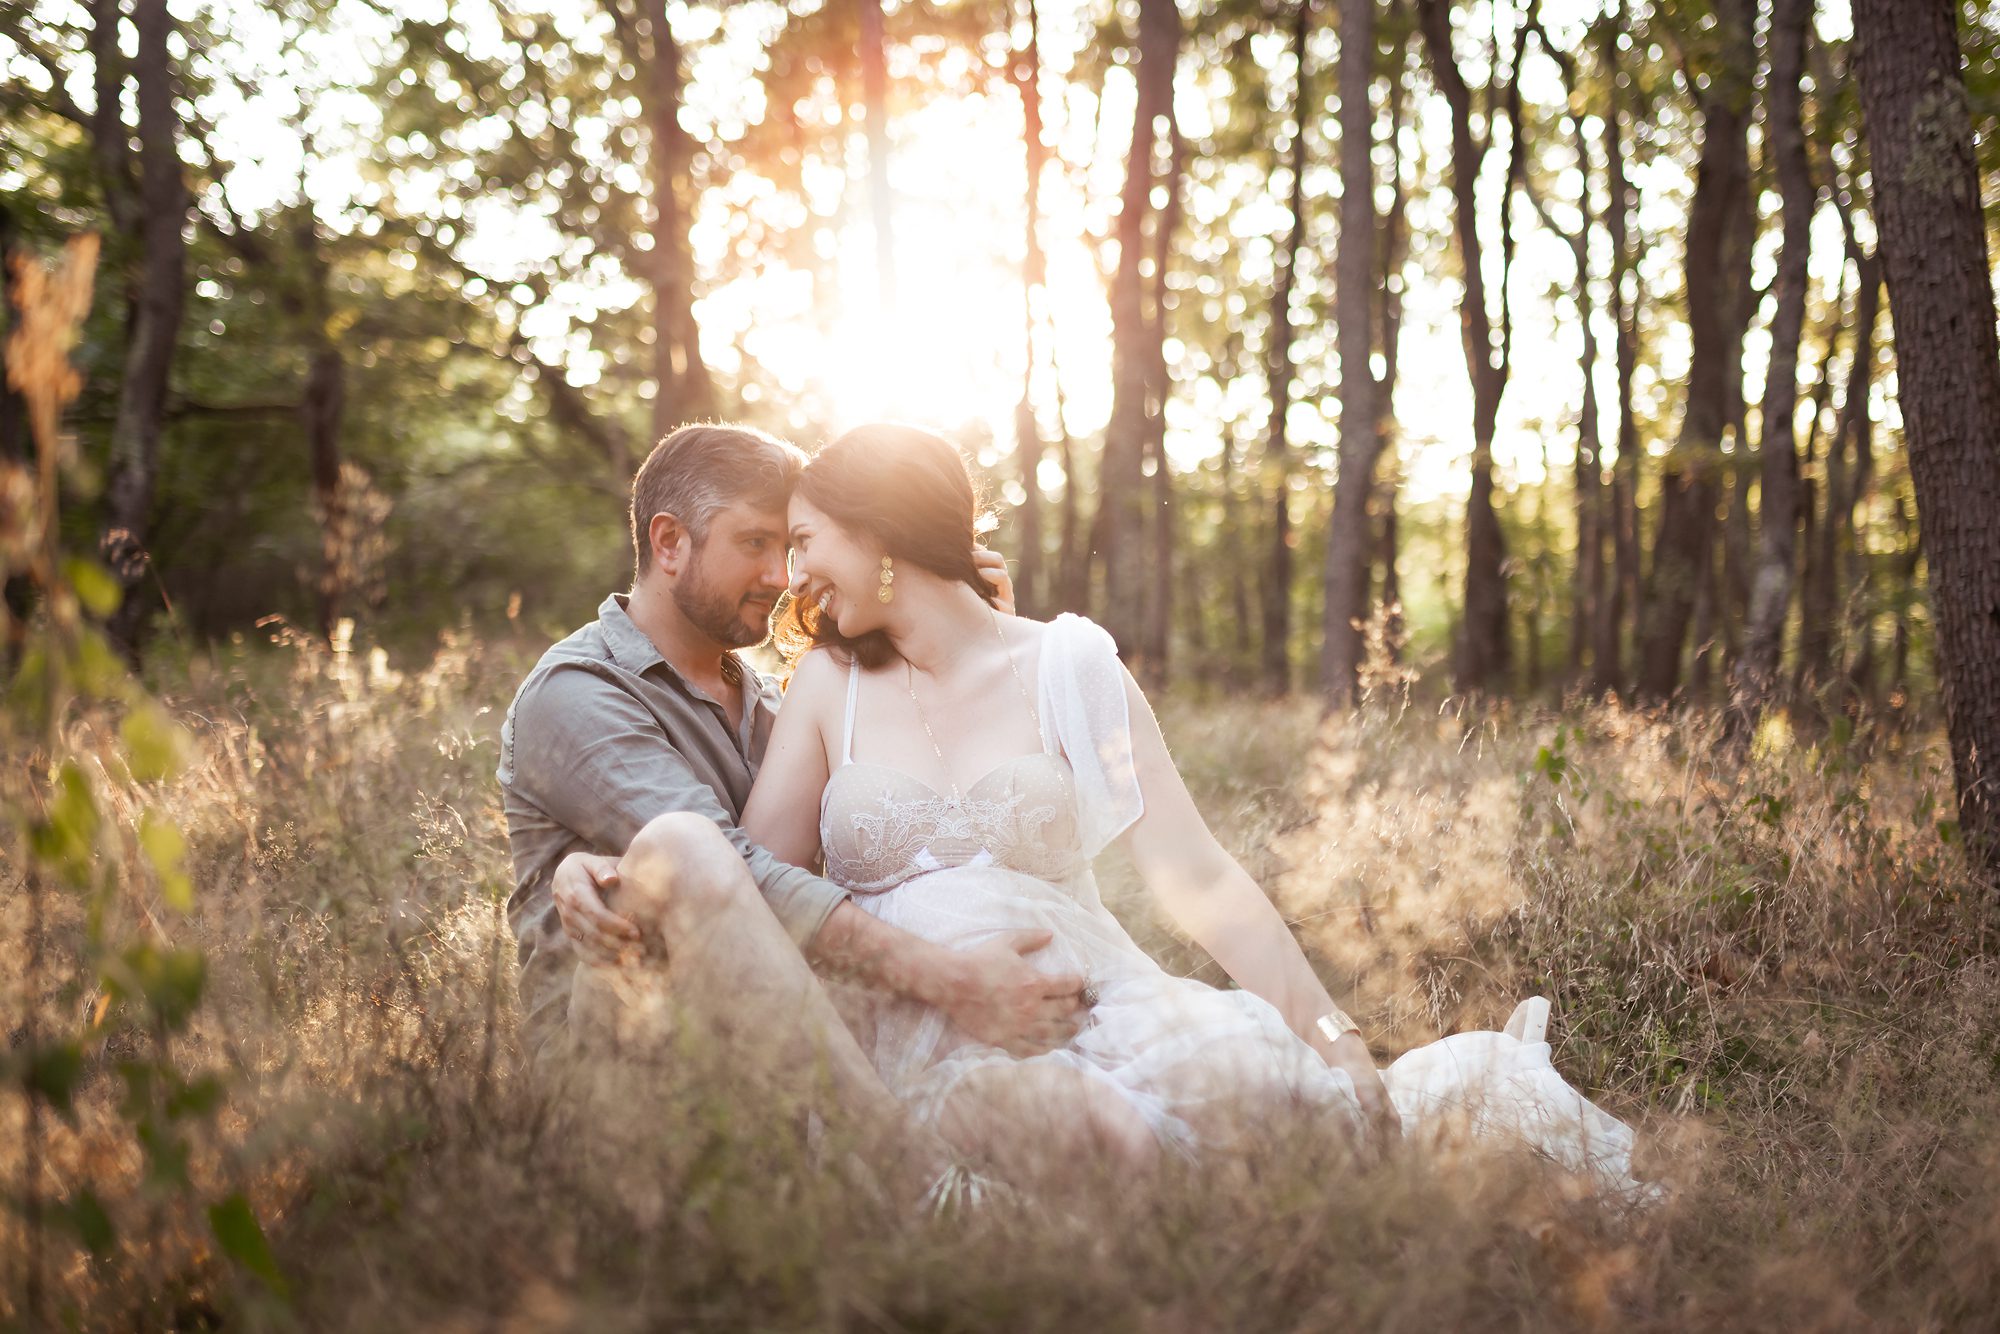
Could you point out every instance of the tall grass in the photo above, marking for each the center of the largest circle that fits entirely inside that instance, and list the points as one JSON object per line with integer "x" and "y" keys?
{"x": 1780, "y": 967}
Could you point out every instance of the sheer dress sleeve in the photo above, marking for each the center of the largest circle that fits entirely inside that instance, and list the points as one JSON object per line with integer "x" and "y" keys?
{"x": 1084, "y": 714}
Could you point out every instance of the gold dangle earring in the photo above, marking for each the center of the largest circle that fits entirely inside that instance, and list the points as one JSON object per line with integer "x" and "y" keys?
{"x": 888, "y": 588}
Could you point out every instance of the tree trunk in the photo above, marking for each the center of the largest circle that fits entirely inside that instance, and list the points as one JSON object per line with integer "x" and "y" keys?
{"x": 1622, "y": 597}
{"x": 1482, "y": 647}
{"x": 1733, "y": 570}
{"x": 1709, "y": 589}
{"x": 1933, "y": 248}
{"x": 682, "y": 390}
{"x": 1771, "y": 595}
{"x": 1395, "y": 251}
{"x": 1587, "y": 481}
{"x": 1160, "y": 585}
{"x": 1073, "y": 556}
{"x": 1587, "y": 583}
{"x": 1386, "y": 544}
{"x": 1028, "y": 449}
{"x": 1347, "y": 543}
{"x": 110, "y": 138}
{"x": 1236, "y": 554}
{"x": 153, "y": 334}
{"x": 1906, "y": 585}
{"x": 16, "y": 446}
{"x": 1857, "y": 434}
{"x": 1693, "y": 468}
{"x": 322, "y": 407}
{"x": 1834, "y": 535}
{"x": 1277, "y": 665}
{"x": 1120, "y": 529}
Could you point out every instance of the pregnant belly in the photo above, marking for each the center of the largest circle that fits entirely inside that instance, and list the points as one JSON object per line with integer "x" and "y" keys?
{"x": 963, "y": 907}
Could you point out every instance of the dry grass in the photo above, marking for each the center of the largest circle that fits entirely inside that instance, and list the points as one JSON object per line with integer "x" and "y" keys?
{"x": 1779, "y": 968}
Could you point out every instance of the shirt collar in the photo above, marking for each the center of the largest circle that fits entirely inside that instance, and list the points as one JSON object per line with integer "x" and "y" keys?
{"x": 632, "y": 649}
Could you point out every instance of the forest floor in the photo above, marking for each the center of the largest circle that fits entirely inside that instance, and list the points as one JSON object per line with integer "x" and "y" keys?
{"x": 1778, "y": 967}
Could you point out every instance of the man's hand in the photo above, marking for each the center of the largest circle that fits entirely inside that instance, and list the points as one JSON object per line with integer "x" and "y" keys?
{"x": 993, "y": 569}
{"x": 998, "y": 997}
{"x": 600, "y": 935}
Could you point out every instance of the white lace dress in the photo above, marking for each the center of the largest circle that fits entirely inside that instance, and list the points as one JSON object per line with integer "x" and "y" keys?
{"x": 1014, "y": 851}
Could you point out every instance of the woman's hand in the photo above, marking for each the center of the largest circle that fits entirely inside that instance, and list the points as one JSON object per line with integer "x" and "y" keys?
{"x": 1350, "y": 1054}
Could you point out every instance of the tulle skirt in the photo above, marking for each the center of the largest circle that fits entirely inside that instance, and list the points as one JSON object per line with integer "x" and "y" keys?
{"x": 1194, "y": 1060}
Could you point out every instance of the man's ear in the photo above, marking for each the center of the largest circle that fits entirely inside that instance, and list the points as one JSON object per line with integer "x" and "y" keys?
{"x": 671, "y": 544}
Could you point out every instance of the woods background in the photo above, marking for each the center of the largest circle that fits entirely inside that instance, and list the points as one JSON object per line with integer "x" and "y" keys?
{"x": 396, "y": 297}
{"x": 1529, "y": 362}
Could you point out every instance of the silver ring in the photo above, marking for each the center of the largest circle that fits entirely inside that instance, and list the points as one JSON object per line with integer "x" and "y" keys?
{"x": 1090, "y": 995}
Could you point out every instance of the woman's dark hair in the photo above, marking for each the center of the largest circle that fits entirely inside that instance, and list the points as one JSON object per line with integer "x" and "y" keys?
{"x": 907, "y": 491}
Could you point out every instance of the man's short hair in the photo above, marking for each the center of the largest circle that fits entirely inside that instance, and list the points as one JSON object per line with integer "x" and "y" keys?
{"x": 698, "y": 471}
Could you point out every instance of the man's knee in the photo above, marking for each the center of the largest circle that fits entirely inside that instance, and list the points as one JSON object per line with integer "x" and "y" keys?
{"x": 678, "y": 840}
{"x": 681, "y": 863}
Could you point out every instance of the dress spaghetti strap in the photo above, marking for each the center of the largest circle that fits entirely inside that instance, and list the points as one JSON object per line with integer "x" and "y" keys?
{"x": 847, "y": 727}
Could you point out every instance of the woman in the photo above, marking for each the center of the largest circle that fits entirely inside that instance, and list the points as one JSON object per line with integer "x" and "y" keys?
{"x": 958, "y": 769}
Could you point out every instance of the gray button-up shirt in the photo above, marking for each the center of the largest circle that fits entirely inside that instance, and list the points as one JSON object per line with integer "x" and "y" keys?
{"x": 603, "y": 736}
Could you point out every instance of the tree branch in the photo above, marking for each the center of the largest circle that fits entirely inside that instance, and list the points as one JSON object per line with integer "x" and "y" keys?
{"x": 59, "y": 100}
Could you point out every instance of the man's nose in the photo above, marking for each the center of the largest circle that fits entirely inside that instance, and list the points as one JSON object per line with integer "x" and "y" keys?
{"x": 774, "y": 575}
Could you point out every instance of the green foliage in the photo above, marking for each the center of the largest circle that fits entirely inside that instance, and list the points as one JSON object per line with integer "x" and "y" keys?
{"x": 241, "y": 1237}
{"x": 68, "y": 788}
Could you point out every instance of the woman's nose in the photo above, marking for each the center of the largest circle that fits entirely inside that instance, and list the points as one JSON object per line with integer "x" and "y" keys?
{"x": 798, "y": 580}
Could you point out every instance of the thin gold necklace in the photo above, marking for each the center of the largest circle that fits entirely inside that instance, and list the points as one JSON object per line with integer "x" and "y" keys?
{"x": 910, "y": 680}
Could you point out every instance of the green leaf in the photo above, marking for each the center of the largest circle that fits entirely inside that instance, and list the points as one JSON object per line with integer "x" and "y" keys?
{"x": 242, "y": 1240}
{"x": 154, "y": 743}
{"x": 27, "y": 693}
{"x": 197, "y": 1097}
{"x": 166, "y": 1155}
{"x": 95, "y": 586}
{"x": 138, "y": 1077}
{"x": 166, "y": 850}
{"x": 54, "y": 1072}
{"x": 100, "y": 672}
{"x": 67, "y": 837}
{"x": 83, "y": 1213}
{"x": 170, "y": 982}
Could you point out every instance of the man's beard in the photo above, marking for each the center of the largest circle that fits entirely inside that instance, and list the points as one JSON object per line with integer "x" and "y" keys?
{"x": 717, "y": 615}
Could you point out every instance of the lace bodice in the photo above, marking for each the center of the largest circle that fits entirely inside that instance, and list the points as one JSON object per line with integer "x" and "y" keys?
{"x": 880, "y": 826}
{"x": 1044, "y": 815}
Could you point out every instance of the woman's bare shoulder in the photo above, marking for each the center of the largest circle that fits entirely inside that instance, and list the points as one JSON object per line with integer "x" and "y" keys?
{"x": 1024, "y": 630}
{"x": 818, "y": 673}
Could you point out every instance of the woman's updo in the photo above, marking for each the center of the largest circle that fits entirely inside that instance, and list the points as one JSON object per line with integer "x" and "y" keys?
{"x": 903, "y": 489}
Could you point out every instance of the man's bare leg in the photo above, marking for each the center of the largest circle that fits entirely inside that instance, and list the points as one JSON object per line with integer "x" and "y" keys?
{"x": 733, "y": 975}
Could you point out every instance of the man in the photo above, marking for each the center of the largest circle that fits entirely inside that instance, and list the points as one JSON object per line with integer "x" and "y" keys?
{"x": 626, "y": 759}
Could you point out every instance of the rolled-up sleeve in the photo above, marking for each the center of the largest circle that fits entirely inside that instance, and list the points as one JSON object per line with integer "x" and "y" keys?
{"x": 596, "y": 761}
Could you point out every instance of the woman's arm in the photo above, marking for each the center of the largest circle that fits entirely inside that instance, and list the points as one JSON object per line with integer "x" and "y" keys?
{"x": 782, "y": 814}
{"x": 992, "y": 992}
{"x": 1214, "y": 900}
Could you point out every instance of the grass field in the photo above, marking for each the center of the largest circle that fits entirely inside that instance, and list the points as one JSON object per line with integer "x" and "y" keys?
{"x": 1780, "y": 968}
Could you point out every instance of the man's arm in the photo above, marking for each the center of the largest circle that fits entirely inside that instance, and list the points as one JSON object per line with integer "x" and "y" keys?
{"x": 991, "y": 992}
{"x": 596, "y": 761}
